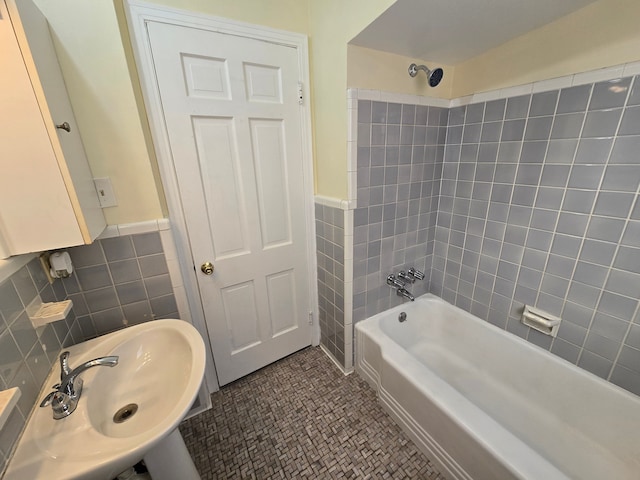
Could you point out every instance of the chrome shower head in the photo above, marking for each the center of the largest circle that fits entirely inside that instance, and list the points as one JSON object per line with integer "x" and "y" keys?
{"x": 433, "y": 76}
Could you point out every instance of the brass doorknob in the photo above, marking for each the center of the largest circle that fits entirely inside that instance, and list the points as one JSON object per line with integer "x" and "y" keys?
{"x": 207, "y": 268}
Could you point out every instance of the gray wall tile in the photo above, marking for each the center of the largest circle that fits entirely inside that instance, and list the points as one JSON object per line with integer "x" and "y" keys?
{"x": 147, "y": 243}
{"x": 543, "y": 103}
{"x": 592, "y": 275}
{"x": 574, "y": 99}
{"x": 108, "y": 320}
{"x": 625, "y": 150}
{"x": 131, "y": 292}
{"x": 634, "y": 95}
{"x": 101, "y": 299}
{"x": 627, "y": 379}
{"x": 118, "y": 248}
{"x": 138, "y": 312}
{"x": 593, "y": 150}
{"x": 517, "y": 107}
{"x": 164, "y": 307}
{"x": 24, "y": 285}
{"x": 87, "y": 255}
{"x": 567, "y": 126}
{"x": 604, "y": 96}
{"x": 630, "y": 122}
{"x": 91, "y": 278}
{"x": 539, "y": 221}
{"x": 601, "y": 123}
{"x": 158, "y": 286}
{"x": 10, "y": 303}
{"x": 153, "y": 265}
{"x": 124, "y": 271}
{"x": 494, "y": 110}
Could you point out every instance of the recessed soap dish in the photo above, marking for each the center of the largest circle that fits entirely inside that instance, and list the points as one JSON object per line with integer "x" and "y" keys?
{"x": 540, "y": 320}
{"x": 50, "y": 312}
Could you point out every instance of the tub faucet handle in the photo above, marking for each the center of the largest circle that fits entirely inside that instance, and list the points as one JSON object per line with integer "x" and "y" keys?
{"x": 404, "y": 276}
{"x": 394, "y": 282}
{"x": 417, "y": 274}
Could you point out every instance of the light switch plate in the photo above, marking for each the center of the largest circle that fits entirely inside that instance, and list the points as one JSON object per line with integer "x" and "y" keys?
{"x": 105, "y": 192}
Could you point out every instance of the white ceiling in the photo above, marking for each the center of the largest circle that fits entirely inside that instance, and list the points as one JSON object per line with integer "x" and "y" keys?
{"x": 451, "y": 31}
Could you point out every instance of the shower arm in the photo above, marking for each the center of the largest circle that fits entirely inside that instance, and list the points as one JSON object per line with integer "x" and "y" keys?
{"x": 414, "y": 69}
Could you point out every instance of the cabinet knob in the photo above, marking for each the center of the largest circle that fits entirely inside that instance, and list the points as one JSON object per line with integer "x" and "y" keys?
{"x": 64, "y": 126}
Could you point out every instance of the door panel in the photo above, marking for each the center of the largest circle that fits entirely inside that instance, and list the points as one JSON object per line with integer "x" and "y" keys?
{"x": 219, "y": 169}
{"x": 264, "y": 83}
{"x": 240, "y": 302}
{"x": 267, "y": 138}
{"x": 281, "y": 286}
{"x": 231, "y": 111}
{"x": 206, "y": 77}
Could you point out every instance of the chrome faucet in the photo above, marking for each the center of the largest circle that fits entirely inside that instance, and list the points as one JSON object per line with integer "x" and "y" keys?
{"x": 416, "y": 274}
{"x": 404, "y": 276}
{"x": 394, "y": 282}
{"x": 403, "y": 292}
{"x": 64, "y": 399}
{"x": 398, "y": 284}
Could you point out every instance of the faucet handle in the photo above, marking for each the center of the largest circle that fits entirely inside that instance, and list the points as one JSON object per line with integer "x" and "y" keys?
{"x": 417, "y": 274}
{"x": 46, "y": 401}
{"x": 64, "y": 365}
{"x": 406, "y": 277}
{"x": 394, "y": 282}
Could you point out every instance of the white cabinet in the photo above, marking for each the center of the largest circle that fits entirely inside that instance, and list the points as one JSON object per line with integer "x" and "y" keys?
{"x": 47, "y": 196}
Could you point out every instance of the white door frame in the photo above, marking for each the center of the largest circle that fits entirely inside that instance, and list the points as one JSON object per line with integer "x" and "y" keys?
{"x": 139, "y": 13}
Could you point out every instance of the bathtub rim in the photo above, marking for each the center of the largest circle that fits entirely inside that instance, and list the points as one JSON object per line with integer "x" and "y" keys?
{"x": 519, "y": 460}
{"x": 371, "y": 325}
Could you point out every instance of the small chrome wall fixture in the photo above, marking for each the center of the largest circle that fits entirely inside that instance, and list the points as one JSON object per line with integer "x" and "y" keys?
{"x": 433, "y": 76}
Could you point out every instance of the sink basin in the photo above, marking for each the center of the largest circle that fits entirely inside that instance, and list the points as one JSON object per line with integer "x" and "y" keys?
{"x": 149, "y": 392}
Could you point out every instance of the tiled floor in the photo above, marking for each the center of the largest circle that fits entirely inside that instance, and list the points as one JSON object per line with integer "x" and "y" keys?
{"x": 301, "y": 418}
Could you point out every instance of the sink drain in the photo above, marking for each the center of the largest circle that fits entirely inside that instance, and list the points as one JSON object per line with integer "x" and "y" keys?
{"x": 125, "y": 413}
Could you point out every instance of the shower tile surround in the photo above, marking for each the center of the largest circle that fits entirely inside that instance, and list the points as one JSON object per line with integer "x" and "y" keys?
{"x": 400, "y": 151}
{"x": 531, "y": 199}
{"x": 116, "y": 282}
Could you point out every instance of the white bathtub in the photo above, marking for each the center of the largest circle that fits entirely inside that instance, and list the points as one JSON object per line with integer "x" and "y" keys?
{"x": 484, "y": 404}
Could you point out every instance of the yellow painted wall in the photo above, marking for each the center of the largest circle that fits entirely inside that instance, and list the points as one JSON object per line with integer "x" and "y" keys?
{"x": 288, "y": 15}
{"x": 602, "y": 34}
{"x": 93, "y": 63}
{"x": 384, "y": 71}
{"x": 106, "y": 98}
{"x": 332, "y": 24}
{"x": 103, "y": 89}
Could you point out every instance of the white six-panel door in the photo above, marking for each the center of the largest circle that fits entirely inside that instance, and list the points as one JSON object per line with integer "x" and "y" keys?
{"x": 230, "y": 106}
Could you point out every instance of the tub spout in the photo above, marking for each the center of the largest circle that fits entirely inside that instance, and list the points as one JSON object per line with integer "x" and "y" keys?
{"x": 403, "y": 292}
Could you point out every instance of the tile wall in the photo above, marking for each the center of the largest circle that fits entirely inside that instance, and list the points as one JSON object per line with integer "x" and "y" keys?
{"x": 26, "y": 353}
{"x": 330, "y": 235}
{"x": 116, "y": 282}
{"x": 120, "y": 281}
{"x": 538, "y": 205}
{"x": 400, "y": 149}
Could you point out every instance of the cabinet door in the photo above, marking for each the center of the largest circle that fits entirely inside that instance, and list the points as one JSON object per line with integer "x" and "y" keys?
{"x": 32, "y": 31}
{"x": 47, "y": 196}
{"x": 35, "y": 210}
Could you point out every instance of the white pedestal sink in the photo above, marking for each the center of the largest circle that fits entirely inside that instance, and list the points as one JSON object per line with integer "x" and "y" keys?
{"x": 160, "y": 370}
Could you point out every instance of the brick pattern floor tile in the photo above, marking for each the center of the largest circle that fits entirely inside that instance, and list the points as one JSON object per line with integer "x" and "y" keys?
{"x": 301, "y": 418}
